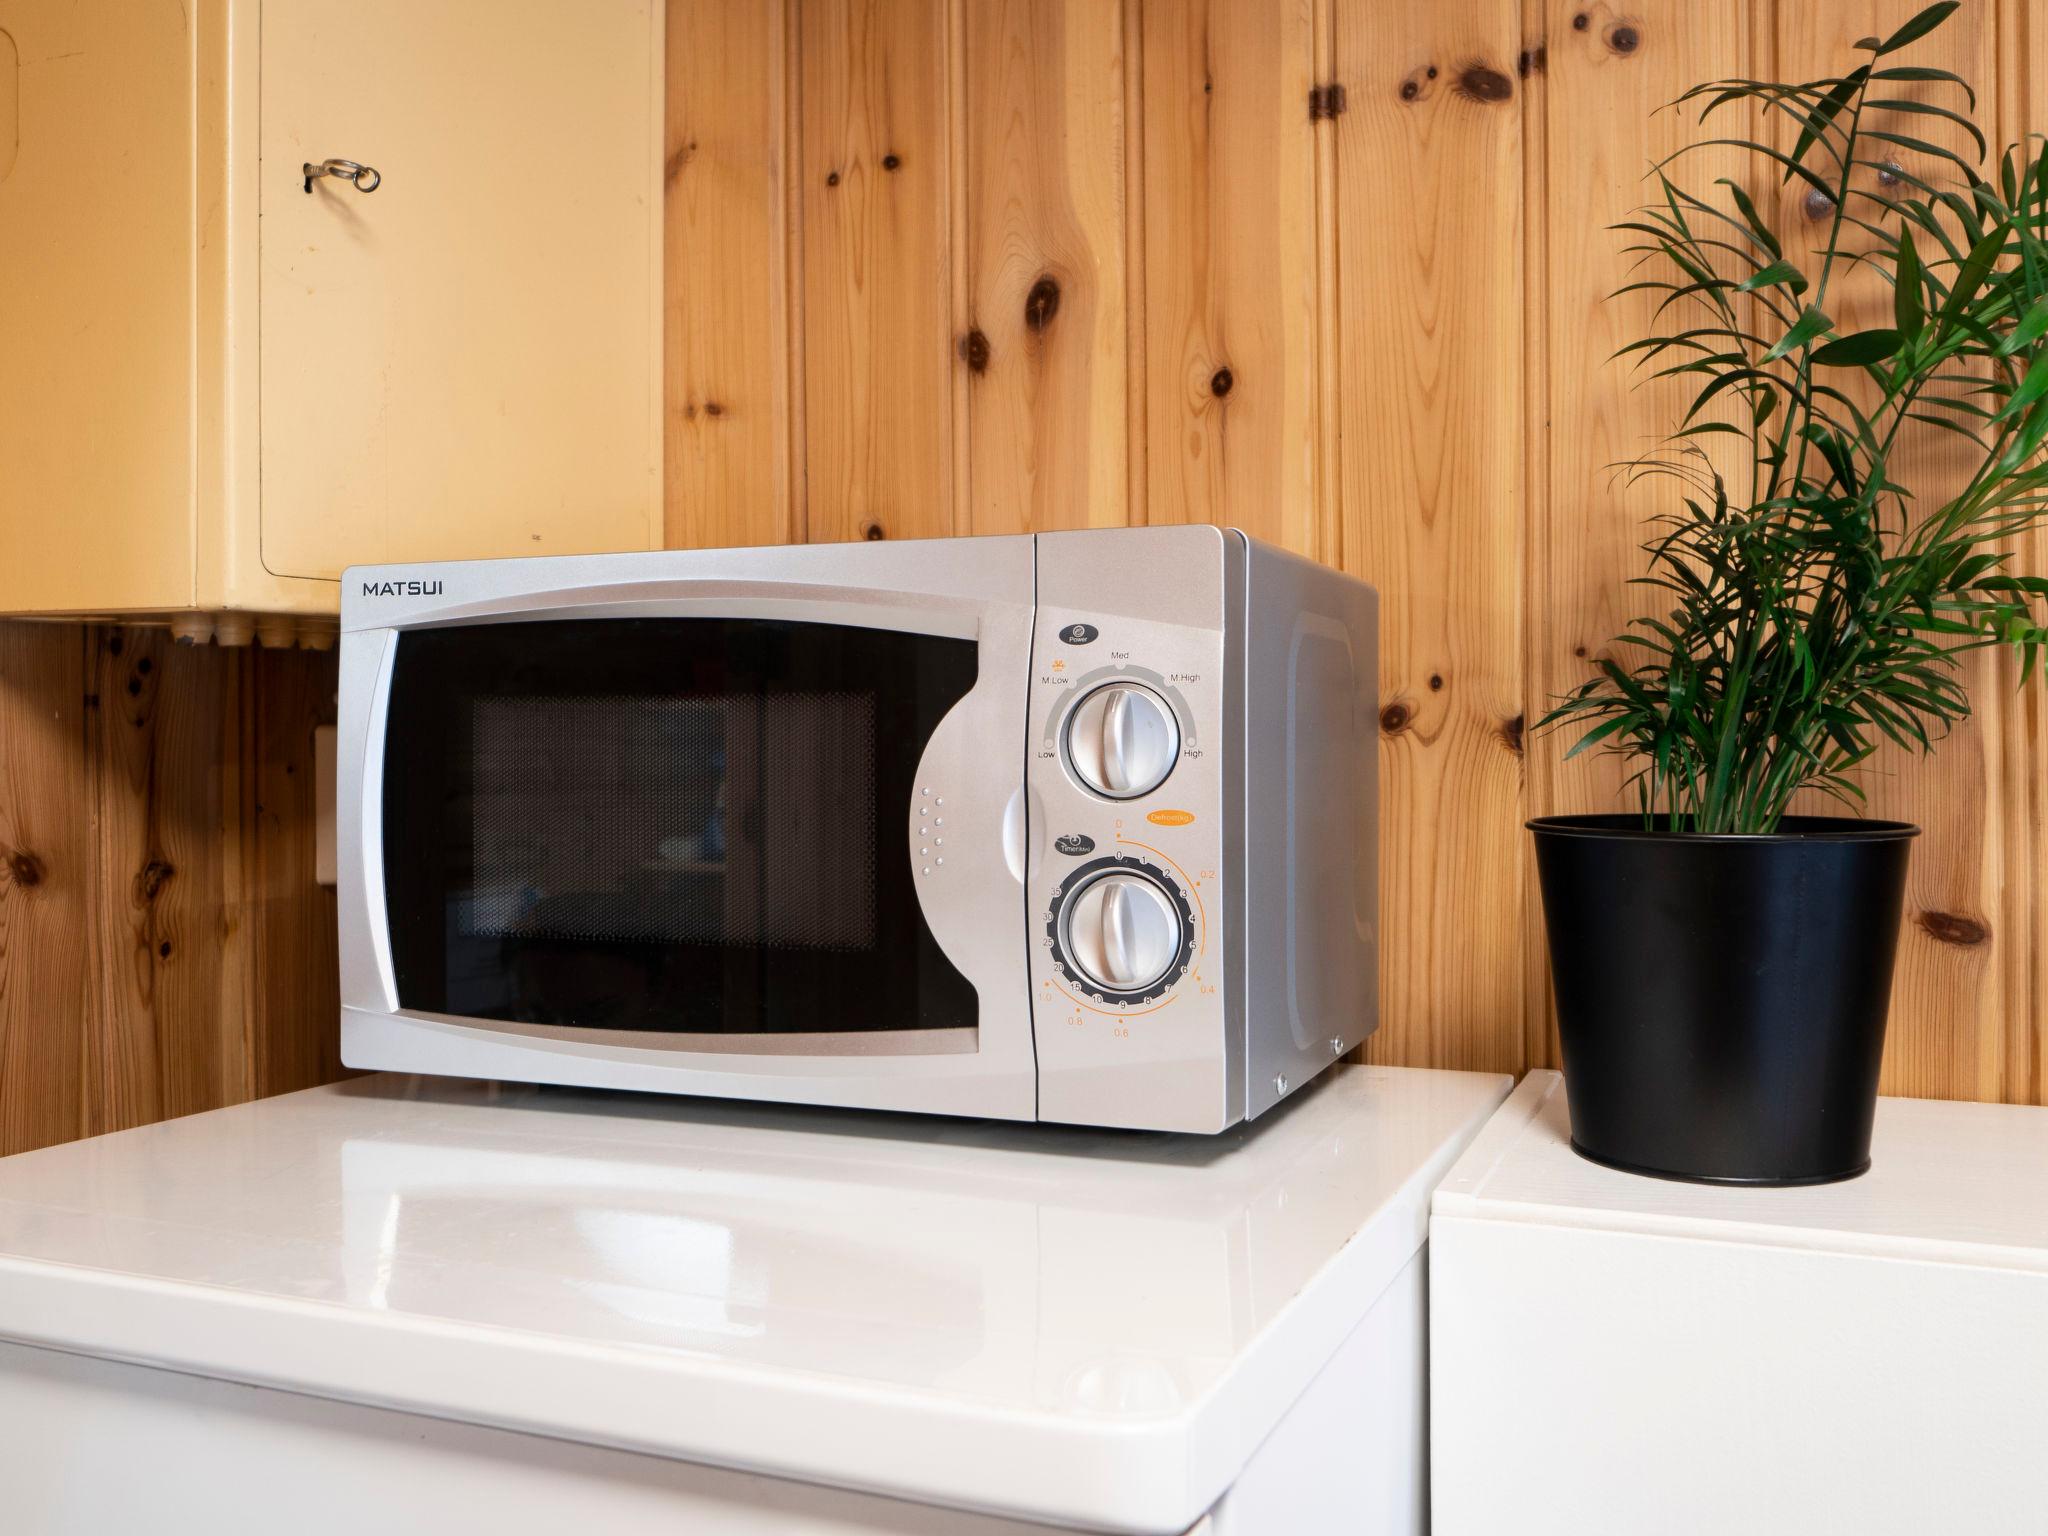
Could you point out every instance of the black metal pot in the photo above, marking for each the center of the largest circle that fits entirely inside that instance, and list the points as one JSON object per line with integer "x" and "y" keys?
{"x": 1721, "y": 1000}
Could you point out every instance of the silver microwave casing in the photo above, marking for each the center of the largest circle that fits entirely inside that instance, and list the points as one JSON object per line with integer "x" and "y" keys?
{"x": 1268, "y": 820}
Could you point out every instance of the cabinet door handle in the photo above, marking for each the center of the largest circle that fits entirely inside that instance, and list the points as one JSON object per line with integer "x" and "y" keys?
{"x": 365, "y": 177}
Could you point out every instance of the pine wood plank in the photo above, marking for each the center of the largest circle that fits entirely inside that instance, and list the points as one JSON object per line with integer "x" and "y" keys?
{"x": 1047, "y": 341}
{"x": 132, "y": 873}
{"x": 875, "y": 179}
{"x": 1948, "y": 1021}
{"x": 294, "y": 981}
{"x": 731, "y": 340}
{"x": 2020, "y": 1067}
{"x": 45, "y": 886}
{"x": 1608, "y": 72}
{"x": 1228, "y": 219}
{"x": 201, "y": 1058}
{"x": 1429, "y": 189}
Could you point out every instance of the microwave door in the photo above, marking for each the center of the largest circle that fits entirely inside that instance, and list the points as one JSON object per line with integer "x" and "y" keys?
{"x": 685, "y": 850}
{"x": 666, "y": 825}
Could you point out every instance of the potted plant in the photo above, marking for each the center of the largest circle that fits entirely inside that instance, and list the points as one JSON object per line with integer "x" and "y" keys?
{"x": 1722, "y": 959}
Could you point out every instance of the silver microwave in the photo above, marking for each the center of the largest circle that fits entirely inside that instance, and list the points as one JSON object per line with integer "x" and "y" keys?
{"x": 1072, "y": 826}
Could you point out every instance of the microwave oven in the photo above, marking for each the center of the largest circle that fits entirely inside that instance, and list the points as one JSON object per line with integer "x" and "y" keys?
{"x": 1073, "y": 826}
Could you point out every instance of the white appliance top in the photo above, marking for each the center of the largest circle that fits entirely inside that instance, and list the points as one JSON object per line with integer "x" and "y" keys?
{"x": 1965, "y": 1183}
{"x": 1081, "y": 1326}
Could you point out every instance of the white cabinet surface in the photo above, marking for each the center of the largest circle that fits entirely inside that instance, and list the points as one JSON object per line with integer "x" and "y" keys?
{"x": 426, "y": 1300}
{"x": 221, "y": 388}
{"x": 1616, "y": 1354}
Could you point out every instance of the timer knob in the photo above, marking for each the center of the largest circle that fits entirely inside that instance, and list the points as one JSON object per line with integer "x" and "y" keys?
{"x": 1122, "y": 740}
{"x": 1123, "y": 932}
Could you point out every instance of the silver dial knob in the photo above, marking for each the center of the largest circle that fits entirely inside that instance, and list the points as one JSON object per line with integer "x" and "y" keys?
{"x": 1122, "y": 740}
{"x": 1122, "y": 932}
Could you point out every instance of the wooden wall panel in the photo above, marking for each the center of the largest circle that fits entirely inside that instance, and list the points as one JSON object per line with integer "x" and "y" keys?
{"x": 45, "y": 885}
{"x": 1098, "y": 208}
{"x": 1227, "y": 210}
{"x": 875, "y": 172}
{"x": 732, "y": 414}
{"x": 159, "y": 1040}
{"x": 1044, "y": 121}
{"x": 1948, "y": 1006}
{"x": 163, "y": 946}
{"x": 1428, "y": 188}
{"x": 1123, "y": 272}
{"x": 1608, "y": 70}
{"x": 2020, "y": 1070}
{"x": 294, "y": 985}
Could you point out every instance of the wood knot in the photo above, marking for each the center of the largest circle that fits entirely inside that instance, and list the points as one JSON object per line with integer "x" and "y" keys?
{"x": 974, "y": 351}
{"x": 114, "y": 645}
{"x": 1952, "y": 928}
{"x": 1624, "y": 39}
{"x": 1511, "y": 734}
{"x": 150, "y": 883}
{"x": 1581, "y": 21}
{"x": 1579, "y": 651}
{"x": 1532, "y": 61}
{"x": 1395, "y": 717}
{"x": 1041, "y": 303}
{"x": 892, "y": 162}
{"x": 682, "y": 157}
{"x": 1222, "y": 382}
{"x": 1483, "y": 83}
{"x": 831, "y": 178}
{"x": 872, "y": 530}
{"x": 24, "y": 868}
{"x": 1411, "y": 88}
{"x": 713, "y": 408}
{"x": 164, "y": 950}
{"x": 1436, "y": 682}
{"x": 1325, "y": 101}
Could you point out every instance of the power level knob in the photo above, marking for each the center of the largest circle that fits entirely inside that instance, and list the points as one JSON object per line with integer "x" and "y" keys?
{"x": 1123, "y": 932}
{"x": 1122, "y": 740}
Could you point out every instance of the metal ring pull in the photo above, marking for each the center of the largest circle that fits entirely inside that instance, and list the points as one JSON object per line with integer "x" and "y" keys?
{"x": 364, "y": 177}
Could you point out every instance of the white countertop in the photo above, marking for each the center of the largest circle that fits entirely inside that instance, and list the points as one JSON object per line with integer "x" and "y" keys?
{"x": 1948, "y": 1182}
{"x": 1091, "y": 1327}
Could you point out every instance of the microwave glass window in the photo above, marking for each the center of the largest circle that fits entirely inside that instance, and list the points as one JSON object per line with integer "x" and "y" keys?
{"x": 684, "y": 825}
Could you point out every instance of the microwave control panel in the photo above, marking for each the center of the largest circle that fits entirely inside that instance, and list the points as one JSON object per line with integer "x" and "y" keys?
{"x": 1124, "y": 880}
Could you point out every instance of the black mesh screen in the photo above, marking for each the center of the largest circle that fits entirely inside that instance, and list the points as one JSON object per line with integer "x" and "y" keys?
{"x": 668, "y": 824}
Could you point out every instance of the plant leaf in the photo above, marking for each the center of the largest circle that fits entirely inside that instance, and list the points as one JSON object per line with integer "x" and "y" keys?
{"x": 1859, "y": 350}
{"x": 1915, "y": 73}
{"x": 1907, "y": 311}
{"x": 1778, "y": 274}
{"x": 1812, "y": 322}
{"x": 1918, "y": 27}
{"x": 2030, "y": 329}
{"x": 1826, "y": 111}
{"x": 2031, "y": 388}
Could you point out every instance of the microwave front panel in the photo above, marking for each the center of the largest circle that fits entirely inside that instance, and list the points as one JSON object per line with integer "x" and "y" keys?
{"x": 674, "y": 822}
{"x": 1129, "y": 943}
{"x": 675, "y": 825}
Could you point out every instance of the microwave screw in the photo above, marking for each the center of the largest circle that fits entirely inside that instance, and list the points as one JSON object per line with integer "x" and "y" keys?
{"x": 1336, "y": 1046}
{"x": 1280, "y": 1084}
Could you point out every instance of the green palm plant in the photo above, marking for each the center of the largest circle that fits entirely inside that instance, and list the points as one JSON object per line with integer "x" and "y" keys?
{"x": 1818, "y": 608}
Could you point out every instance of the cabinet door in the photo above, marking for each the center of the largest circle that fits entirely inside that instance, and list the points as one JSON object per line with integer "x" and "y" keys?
{"x": 464, "y": 362}
{"x": 96, "y": 278}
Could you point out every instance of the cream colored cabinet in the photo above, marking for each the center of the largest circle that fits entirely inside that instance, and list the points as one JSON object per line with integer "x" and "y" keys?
{"x": 219, "y": 387}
